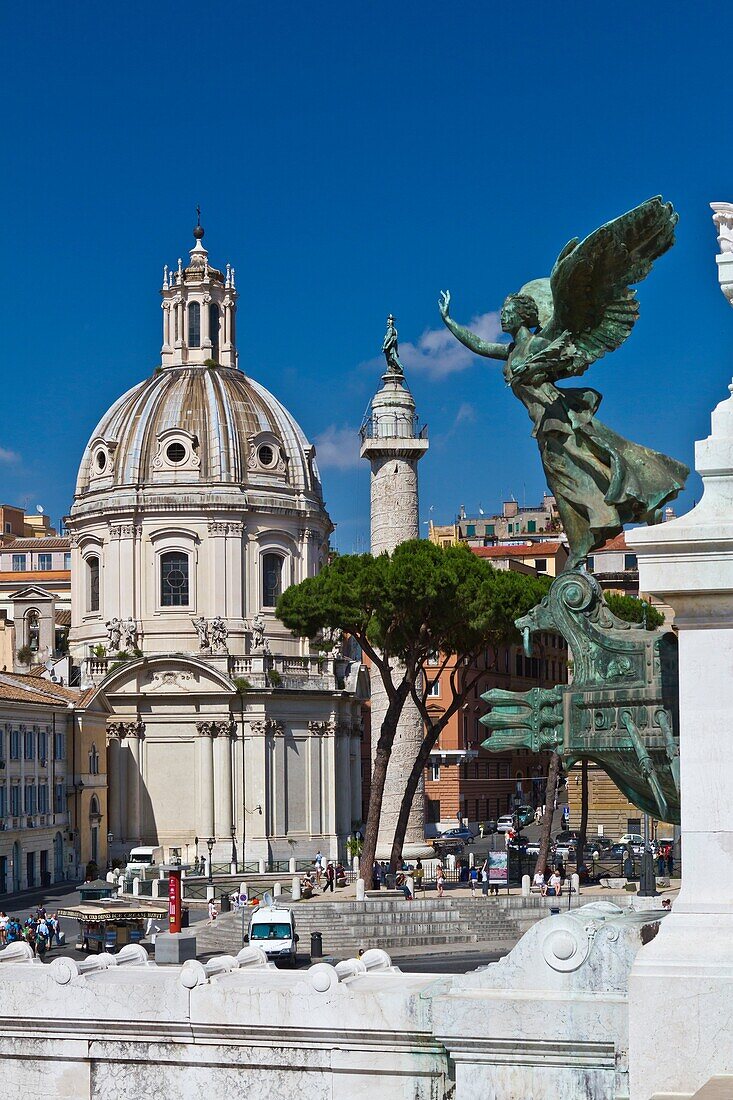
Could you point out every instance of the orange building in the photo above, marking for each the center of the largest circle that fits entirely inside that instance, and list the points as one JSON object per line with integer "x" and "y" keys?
{"x": 467, "y": 781}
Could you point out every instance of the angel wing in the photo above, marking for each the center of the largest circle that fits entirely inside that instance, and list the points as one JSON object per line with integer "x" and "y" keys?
{"x": 591, "y": 281}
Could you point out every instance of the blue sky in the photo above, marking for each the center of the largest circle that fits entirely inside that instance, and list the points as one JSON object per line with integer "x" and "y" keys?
{"x": 352, "y": 160}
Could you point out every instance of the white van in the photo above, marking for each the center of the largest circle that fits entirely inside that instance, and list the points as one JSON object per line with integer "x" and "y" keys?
{"x": 142, "y": 859}
{"x": 272, "y": 927}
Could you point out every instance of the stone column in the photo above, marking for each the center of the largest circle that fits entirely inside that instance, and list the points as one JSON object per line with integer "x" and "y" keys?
{"x": 134, "y": 734}
{"x": 205, "y": 814}
{"x": 223, "y": 781}
{"x": 684, "y": 976}
{"x": 113, "y": 782}
{"x": 355, "y": 769}
{"x": 393, "y": 445}
{"x": 343, "y": 780}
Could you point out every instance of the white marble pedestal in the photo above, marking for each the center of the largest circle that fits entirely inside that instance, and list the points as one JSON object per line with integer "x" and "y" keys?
{"x": 681, "y": 985}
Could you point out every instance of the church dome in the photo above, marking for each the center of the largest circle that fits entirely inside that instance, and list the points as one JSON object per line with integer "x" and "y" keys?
{"x": 211, "y": 425}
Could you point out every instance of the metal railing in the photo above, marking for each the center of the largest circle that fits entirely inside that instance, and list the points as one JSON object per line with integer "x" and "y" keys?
{"x": 392, "y": 426}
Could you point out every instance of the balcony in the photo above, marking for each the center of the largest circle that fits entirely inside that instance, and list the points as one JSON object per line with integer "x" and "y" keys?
{"x": 313, "y": 672}
{"x": 46, "y": 820}
{"x": 390, "y": 426}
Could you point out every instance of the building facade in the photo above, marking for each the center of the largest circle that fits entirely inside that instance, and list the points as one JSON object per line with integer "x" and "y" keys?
{"x": 53, "y": 784}
{"x": 35, "y": 599}
{"x": 465, "y": 781}
{"x": 198, "y": 501}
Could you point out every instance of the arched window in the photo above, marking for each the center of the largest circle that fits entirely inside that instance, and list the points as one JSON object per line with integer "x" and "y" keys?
{"x": 94, "y": 807}
{"x": 93, "y": 760}
{"x": 194, "y": 325}
{"x": 33, "y": 627}
{"x": 93, "y": 583}
{"x": 272, "y": 577}
{"x": 214, "y": 330}
{"x": 174, "y": 579}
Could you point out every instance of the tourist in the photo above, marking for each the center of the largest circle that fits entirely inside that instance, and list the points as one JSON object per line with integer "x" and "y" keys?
{"x": 539, "y": 881}
{"x": 554, "y": 889}
{"x": 473, "y": 879}
{"x": 318, "y": 864}
{"x": 418, "y": 876}
{"x": 485, "y": 878}
{"x": 3, "y": 926}
{"x": 661, "y": 859}
{"x": 330, "y": 876}
{"x": 481, "y": 829}
{"x": 212, "y": 910}
{"x": 670, "y": 860}
{"x": 666, "y": 904}
{"x": 440, "y": 880}
{"x": 409, "y": 884}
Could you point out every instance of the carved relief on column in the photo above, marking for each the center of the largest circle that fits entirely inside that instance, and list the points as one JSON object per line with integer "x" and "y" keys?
{"x": 322, "y": 729}
{"x": 226, "y": 728}
{"x": 272, "y": 726}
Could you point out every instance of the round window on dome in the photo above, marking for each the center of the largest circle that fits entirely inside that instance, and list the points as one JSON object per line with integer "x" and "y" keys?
{"x": 101, "y": 460}
{"x": 175, "y": 453}
{"x": 266, "y": 455}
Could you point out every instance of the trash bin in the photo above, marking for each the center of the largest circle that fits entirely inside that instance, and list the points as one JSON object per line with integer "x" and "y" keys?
{"x": 185, "y": 918}
{"x": 226, "y": 903}
{"x": 316, "y": 945}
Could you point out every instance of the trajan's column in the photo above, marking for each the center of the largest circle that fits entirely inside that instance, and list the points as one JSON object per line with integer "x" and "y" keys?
{"x": 393, "y": 442}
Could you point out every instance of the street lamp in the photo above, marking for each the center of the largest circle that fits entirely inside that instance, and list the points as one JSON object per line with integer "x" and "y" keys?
{"x": 110, "y": 838}
{"x": 210, "y": 845}
{"x": 234, "y": 847}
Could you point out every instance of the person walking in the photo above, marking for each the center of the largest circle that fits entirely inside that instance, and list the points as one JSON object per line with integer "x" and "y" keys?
{"x": 212, "y": 910}
{"x": 481, "y": 829}
{"x": 330, "y": 876}
{"x": 440, "y": 880}
{"x": 318, "y": 864}
{"x": 418, "y": 876}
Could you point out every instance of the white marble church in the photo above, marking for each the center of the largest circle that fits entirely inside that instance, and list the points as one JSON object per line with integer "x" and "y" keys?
{"x": 198, "y": 501}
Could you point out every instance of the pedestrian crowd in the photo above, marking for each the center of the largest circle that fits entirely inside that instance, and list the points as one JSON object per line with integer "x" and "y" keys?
{"x": 39, "y": 930}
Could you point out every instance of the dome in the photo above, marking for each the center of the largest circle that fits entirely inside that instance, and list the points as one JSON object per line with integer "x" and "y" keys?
{"x": 210, "y": 425}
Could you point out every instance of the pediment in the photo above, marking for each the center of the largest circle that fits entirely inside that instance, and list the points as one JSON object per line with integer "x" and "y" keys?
{"x": 32, "y": 592}
{"x": 167, "y": 676}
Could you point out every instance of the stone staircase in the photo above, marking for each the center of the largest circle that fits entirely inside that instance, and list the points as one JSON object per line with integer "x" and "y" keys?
{"x": 393, "y": 924}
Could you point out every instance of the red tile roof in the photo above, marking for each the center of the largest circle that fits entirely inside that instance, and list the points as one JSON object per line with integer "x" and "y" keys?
{"x": 47, "y": 542}
{"x": 617, "y": 543}
{"x": 526, "y": 550}
{"x": 22, "y": 688}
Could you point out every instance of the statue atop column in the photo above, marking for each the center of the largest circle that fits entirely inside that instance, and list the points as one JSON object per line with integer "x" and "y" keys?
{"x": 390, "y": 349}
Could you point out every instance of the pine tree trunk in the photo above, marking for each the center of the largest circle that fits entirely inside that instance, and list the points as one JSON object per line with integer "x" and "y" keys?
{"x": 583, "y": 827}
{"x": 546, "y": 826}
{"x": 382, "y": 755}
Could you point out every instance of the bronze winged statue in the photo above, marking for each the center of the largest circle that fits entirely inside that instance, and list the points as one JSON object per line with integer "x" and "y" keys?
{"x": 559, "y": 326}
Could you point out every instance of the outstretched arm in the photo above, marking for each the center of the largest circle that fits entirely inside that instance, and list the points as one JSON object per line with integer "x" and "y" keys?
{"x": 473, "y": 342}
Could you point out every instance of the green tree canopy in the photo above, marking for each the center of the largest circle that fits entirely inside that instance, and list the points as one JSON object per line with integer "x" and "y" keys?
{"x": 401, "y": 608}
{"x": 633, "y": 610}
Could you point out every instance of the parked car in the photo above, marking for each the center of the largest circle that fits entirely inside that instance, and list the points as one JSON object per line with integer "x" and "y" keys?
{"x": 505, "y": 823}
{"x": 599, "y": 844}
{"x": 462, "y": 833}
{"x": 520, "y": 843}
{"x": 618, "y": 851}
{"x": 636, "y": 840}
